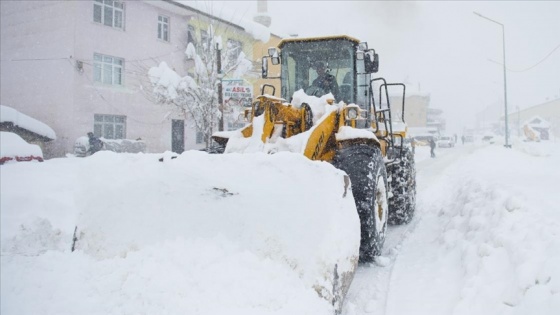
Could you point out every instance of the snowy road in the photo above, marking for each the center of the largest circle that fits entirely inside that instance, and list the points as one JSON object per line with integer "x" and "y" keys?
{"x": 370, "y": 291}
{"x": 468, "y": 249}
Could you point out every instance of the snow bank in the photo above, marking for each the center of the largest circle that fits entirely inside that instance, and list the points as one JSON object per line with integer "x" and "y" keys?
{"x": 487, "y": 237}
{"x": 508, "y": 242}
{"x": 197, "y": 234}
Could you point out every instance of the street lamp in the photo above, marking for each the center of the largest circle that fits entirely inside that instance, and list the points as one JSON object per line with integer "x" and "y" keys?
{"x": 507, "y": 145}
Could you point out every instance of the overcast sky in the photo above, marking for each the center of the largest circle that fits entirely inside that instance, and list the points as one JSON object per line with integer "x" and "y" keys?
{"x": 442, "y": 47}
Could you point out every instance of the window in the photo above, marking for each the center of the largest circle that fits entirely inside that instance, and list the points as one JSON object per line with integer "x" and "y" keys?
{"x": 108, "y": 12}
{"x": 107, "y": 69}
{"x": 234, "y": 48}
{"x": 199, "y": 137}
{"x": 109, "y": 126}
{"x": 163, "y": 28}
{"x": 205, "y": 39}
{"x": 191, "y": 37}
{"x": 235, "y": 125}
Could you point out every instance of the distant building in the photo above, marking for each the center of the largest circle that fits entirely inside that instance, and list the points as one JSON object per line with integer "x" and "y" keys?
{"x": 417, "y": 109}
{"x": 418, "y": 113}
{"x": 548, "y": 112}
{"x": 488, "y": 120}
{"x": 435, "y": 120}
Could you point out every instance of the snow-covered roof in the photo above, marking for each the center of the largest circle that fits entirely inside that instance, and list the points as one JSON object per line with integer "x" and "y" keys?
{"x": 8, "y": 114}
{"x": 257, "y": 30}
{"x": 537, "y": 121}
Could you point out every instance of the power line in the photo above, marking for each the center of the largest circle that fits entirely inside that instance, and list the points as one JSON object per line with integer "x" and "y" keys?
{"x": 37, "y": 59}
{"x": 71, "y": 57}
{"x": 111, "y": 105}
{"x": 531, "y": 67}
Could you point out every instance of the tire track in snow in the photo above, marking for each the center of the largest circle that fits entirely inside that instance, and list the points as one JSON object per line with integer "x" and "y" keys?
{"x": 371, "y": 287}
{"x": 418, "y": 255}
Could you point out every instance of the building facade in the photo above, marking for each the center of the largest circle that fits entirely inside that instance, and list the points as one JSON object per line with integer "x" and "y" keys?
{"x": 548, "y": 111}
{"x": 417, "y": 109}
{"x": 82, "y": 66}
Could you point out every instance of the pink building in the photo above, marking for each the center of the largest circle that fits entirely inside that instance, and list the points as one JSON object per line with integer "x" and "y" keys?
{"x": 82, "y": 66}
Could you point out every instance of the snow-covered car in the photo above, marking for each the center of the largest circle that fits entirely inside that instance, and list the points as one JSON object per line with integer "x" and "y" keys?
{"x": 446, "y": 142}
{"x": 14, "y": 148}
{"x": 81, "y": 146}
{"x": 488, "y": 139}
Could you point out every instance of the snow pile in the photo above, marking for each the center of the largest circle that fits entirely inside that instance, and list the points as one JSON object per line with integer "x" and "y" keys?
{"x": 165, "y": 79}
{"x": 509, "y": 245}
{"x": 320, "y": 109}
{"x": 486, "y": 240}
{"x": 196, "y": 234}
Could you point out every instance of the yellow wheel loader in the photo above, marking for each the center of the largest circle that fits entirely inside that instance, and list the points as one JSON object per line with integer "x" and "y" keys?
{"x": 332, "y": 107}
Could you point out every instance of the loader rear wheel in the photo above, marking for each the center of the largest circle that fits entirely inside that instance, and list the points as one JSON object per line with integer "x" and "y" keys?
{"x": 366, "y": 169}
{"x": 403, "y": 188}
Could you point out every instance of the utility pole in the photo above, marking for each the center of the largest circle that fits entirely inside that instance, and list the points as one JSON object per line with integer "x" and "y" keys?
{"x": 518, "y": 122}
{"x": 220, "y": 97}
{"x": 507, "y": 145}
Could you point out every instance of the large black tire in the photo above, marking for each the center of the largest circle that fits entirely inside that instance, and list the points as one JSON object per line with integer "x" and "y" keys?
{"x": 366, "y": 169}
{"x": 402, "y": 182}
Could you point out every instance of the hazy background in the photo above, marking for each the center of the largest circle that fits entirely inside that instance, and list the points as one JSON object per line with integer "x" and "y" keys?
{"x": 441, "y": 48}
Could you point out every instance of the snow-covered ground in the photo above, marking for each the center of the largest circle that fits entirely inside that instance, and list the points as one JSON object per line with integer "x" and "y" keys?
{"x": 199, "y": 235}
{"x": 485, "y": 239}
{"x": 195, "y": 234}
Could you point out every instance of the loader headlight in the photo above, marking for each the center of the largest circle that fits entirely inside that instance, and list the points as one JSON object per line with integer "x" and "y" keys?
{"x": 352, "y": 113}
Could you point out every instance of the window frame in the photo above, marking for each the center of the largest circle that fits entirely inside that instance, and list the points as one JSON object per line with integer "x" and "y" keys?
{"x": 234, "y": 125}
{"x": 101, "y": 65}
{"x": 205, "y": 40}
{"x": 191, "y": 35}
{"x": 199, "y": 137}
{"x": 233, "y": 55}
{"x": 115, "y": 7}
{"x": 108, "y": 126}
{"x": 162, "y": 32}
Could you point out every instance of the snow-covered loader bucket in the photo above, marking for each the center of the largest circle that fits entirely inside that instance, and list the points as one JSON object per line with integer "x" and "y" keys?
{"x": 261, "y": 234}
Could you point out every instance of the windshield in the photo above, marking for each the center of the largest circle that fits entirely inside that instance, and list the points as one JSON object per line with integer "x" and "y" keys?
{"x": 319, "y": 68}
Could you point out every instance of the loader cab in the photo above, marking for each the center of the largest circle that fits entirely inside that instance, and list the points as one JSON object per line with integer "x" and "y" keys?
{"x": 344, "y": 62}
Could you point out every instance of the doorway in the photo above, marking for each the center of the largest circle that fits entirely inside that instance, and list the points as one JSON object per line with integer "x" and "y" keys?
{"x": 178, "y": 136}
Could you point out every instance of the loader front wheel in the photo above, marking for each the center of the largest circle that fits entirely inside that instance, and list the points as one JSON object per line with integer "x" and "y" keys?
{"x": 364, "y": 165}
